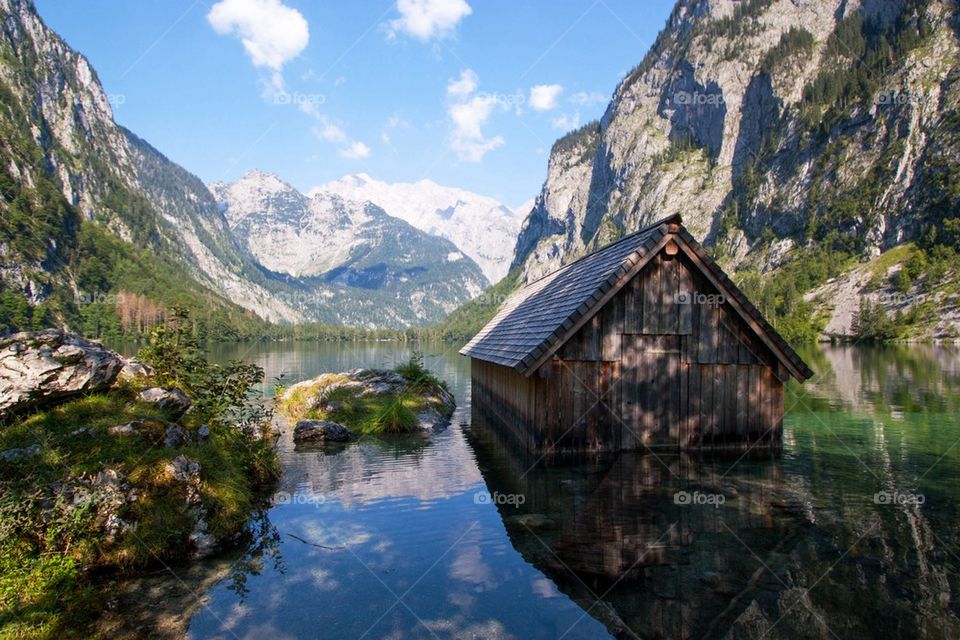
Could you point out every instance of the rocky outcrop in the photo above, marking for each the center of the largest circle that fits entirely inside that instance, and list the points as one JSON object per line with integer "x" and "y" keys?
{"x": 40, "y": 367}
{"x": 315, "y": 403}
{"x": 731, "y": 121}
{"x": 321, "y": 431}
{"x": 172, "y": 401}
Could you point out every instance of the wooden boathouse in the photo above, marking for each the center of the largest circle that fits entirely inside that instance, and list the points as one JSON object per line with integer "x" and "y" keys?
{"x": 644, "y": 343}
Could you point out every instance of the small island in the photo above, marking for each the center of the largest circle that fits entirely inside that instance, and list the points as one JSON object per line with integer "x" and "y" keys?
{"x": 339, "y": 407}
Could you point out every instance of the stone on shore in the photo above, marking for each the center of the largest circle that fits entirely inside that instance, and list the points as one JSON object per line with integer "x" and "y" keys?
{"x": 172, "y": 401}
{"x": 37, "y": 367}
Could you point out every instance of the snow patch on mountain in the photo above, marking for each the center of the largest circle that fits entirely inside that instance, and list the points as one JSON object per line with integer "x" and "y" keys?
{"x": 481, "y": 227}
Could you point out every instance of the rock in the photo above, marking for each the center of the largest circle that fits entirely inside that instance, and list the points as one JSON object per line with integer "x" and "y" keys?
{"x": 127, "y": 429}
{"x": 13, "y": 455}
{"x": 152, "y": 429}
{"x": 204, "y": 543}
{"x": 42, "y": 366}
{"x": 432, "y": 420}
{"x": 172, "y": 401}
{"x": 321, "y": 431}
{"x": 203, "y": 432}
{"x": 175, "y": 436}
{"x": 377, "y": 381}
{"x": 184, "y": 469}
{"x": 134, "y": 369}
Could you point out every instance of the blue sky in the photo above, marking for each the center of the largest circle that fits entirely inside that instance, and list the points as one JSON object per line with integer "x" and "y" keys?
{"x": 468, "y": 93}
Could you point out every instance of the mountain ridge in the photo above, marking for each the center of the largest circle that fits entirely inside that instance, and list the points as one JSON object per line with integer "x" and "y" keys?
{"x": 480, "y": 226}
{"x": 333, "y": 245}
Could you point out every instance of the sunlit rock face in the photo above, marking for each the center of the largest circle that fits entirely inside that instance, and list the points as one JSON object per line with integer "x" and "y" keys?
{"x": 730, "y": 121}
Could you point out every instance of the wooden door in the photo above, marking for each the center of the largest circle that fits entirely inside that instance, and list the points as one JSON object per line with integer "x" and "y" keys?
{"x": 651, "y": 392}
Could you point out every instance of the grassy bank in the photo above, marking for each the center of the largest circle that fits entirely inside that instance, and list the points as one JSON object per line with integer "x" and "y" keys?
{"x": 95, "y": 505}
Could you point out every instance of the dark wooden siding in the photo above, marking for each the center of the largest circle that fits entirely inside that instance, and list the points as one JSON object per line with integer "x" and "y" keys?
{"x": 666, "y": 363}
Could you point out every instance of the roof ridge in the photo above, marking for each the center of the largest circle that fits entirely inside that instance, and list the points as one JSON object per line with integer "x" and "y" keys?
{"x": 673, "y": 218}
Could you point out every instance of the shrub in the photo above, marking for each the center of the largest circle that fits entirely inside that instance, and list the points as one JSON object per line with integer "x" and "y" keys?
{"x": 871, "y": 323}
{"x": 219, "y": 393}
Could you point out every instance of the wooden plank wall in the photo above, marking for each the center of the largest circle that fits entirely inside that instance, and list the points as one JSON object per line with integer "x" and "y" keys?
{"x": 665, "y": 364}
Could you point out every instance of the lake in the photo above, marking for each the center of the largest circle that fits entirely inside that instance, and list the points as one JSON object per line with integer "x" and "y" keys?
{"x": 853, "y": 532}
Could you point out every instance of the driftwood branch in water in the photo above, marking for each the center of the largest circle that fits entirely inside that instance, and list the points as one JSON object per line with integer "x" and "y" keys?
{"x": 313, "y": 544}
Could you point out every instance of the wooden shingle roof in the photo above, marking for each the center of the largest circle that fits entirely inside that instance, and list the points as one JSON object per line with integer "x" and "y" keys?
{"x": 536, "y": 320}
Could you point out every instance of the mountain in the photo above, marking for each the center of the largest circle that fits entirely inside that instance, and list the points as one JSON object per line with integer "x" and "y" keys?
{"x": 93, "y": 215}
{"x": 812, "y": 145}
{"x": 352, "y": 263}
{"x": 483, "y": 228}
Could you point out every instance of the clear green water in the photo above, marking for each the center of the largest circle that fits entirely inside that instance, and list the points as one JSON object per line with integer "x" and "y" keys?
{"x": 801, "y": 545}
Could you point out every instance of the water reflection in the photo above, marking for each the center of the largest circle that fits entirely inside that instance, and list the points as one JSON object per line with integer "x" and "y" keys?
{"x": 851, "y": 533}
{"x": 396, "y": 538}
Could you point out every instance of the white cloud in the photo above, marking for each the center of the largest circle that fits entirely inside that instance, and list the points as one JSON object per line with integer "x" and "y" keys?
{"x": 428, "y": 19}
{"x": 566, "y": 122}
{"x": 464, "y": 85}
{"x": 355, "y": 151}
{"x": 588, "y": 98}
{"x": 271, "y": 32}
{"x": 329, "y": 132}
{"x": 468, "y": 118}
{"x": 543, "y": 97}
{"x": 333, "y": 133}
{"x": 393, "y": 122}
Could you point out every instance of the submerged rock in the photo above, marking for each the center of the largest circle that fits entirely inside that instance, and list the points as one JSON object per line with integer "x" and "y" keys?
{"x": 321, "y": 431}
{"x": 37, "y": 367}
{"x": 170, "y": 400}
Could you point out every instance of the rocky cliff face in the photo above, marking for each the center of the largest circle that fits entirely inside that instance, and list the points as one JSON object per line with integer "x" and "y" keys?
{"x": 353, "y": 263}
{"x": 774, "y": 127}
{"x": 62, "y": 134}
